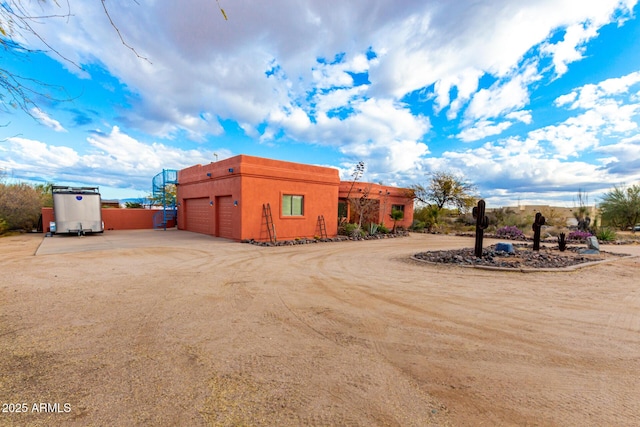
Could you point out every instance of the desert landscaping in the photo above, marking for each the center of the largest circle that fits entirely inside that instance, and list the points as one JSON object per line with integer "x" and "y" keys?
{"x": 148, "y": 327}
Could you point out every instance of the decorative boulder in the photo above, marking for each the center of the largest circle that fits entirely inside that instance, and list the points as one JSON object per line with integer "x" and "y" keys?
{"x": 505, "y": 247}
{"x": 592, "y": 243}
{"x": 593, "y": 247}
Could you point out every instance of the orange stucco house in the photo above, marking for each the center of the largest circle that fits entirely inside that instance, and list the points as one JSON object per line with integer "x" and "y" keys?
{"x": 385, "y": 199}
{"x": 247, "y": 197}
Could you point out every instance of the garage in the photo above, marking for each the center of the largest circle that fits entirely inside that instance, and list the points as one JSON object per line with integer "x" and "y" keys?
{"x": 227, "y": 198}
{"x": 225, "y": 216}
{"x": 197, "y": 213}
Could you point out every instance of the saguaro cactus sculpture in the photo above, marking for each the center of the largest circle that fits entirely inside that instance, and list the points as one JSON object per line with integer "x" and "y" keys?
{"x": 482, "y": 222}
{"x": 537, "y": 226}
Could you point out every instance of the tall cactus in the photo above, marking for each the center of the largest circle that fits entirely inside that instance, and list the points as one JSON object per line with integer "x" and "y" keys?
{"x": 537, "y": 226}
{"x": 482, "y": 222}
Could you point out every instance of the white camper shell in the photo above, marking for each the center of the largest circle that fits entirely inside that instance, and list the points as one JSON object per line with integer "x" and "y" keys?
{"x": 77, "y": 210}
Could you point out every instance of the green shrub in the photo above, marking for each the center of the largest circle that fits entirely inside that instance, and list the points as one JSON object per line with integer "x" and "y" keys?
{"x": 4, "y": 227}
{"x": 418, "y": 225}
{"x": 383, "y": 229}
{"x": 605, "y": 234}
{"x": 350, "y": 228}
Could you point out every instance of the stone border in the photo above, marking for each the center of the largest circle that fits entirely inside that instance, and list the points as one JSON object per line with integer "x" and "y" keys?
{"x": 339, "y": 238}
{"x": 526, "y": 269}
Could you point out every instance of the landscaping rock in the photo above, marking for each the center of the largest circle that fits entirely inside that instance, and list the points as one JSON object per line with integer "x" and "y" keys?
{"x": 505, "y": 247}
{"x": 523, "y": 257}
{"x": 588, "y": 251}
{"x": 304, "y": 241}
{"x": 592, "y": 243}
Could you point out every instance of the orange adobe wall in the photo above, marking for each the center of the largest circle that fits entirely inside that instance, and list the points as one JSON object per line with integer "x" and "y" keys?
{"x": 387, "y": 197}
{"x": 248, "y": 183}
{"x": 114, "y": 219}
{"x": 199, "y": 188}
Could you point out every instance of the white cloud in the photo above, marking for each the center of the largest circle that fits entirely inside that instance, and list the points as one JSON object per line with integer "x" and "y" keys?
{"x": 565, "y": 99}
{"x": 571, "y": 137}
{"x": 572, "y": 47}
{"x": 515, "y": 166}
{"x": 502, "y": 97}
{"x": 26, "y": 153}
{"x": 200, "y": 63}
{"x": 262, "y": 70}
{"x": 624, "y": 158}
{"x": 382, "y": 133}
{"x": 446, "y": 40}
{"x": 483, "y": 129}
{"x": 523, "y": 116}
{"x": 339, "y": 98}
{"x": 44, "y": 118}
{"x": 590, "y": 95}
{"x": 115, "y": 159}
{"x": 605, "y": 116}
{"x": 387, "y": 158}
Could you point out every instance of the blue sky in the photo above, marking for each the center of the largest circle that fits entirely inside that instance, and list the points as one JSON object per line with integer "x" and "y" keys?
{"x": 531, "y": 101}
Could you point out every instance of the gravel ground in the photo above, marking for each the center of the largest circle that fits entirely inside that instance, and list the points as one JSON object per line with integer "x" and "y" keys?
{"x": 523, "y": 257}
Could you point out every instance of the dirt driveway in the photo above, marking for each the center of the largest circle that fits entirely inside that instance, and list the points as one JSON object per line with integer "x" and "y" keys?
{"x": 176, "y": 328}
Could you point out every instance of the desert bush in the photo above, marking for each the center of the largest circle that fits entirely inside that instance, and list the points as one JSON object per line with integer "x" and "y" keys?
{"x": 352, "y": 230}
{"x": 383, "y": 229}
{"x": 418, "y": 225}
{"x": 4, "y": 227}
{"x": 510, "y": 232}
{"x": 606, "y": 234}
{"x": 466, "y": 219}
{"x": 20, "y": 206}
{"x": 578, "y": 235}
{"x": 347, "y": 229}
{"x": 427, "y": 214}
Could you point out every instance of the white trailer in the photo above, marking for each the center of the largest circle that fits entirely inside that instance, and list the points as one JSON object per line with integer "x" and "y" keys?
{"x": 77, "y": 210}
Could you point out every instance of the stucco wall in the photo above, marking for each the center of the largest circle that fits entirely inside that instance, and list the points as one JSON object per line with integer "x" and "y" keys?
{"x": 320, "y": 198}
{"x": 254, "y": 181}
{"x": 387, "y": 195}
{"x": 209, "y": 181}
{"x": 114, "y": 219}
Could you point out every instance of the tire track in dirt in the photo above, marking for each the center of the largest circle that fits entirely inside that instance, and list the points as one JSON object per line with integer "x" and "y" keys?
{"x": 339, "y": 335}
{"x": 507, "y": 324}
{"x": 365, "y": 338}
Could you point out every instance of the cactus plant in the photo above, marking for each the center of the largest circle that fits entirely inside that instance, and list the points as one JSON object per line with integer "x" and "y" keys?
{"x": 482, "y": 222}
{"x": 537, "y": 226}
{"x": 562, "y": 243}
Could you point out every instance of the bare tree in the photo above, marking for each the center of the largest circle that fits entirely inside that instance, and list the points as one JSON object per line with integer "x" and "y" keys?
{"x": 18, "y": 91}
{"x": 363, "y": 206}
{"x": 356, "y": 175}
